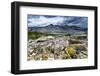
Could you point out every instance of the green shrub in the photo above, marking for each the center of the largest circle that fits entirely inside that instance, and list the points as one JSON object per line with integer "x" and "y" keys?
{"x": 71, "y": 52}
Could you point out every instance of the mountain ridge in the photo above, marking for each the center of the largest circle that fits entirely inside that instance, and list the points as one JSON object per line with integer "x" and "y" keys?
{"x": 57, "y": 28}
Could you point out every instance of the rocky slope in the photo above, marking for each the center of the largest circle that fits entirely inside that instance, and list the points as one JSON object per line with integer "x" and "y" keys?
{"x": 50, "y": 48}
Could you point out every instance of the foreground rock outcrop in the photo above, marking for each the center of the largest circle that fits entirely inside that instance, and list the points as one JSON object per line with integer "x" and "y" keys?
{"x": 50, "y": 48}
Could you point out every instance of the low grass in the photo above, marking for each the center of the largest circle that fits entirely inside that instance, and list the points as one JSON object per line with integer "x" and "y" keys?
{"x": 35, "y": 35}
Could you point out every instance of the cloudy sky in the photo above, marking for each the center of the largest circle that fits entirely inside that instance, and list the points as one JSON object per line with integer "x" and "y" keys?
{"x": 44, "y": 20}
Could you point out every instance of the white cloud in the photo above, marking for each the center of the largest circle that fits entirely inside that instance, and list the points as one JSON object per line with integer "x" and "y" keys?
{"x": 40, "y": 21}
{"x": 44, "y": 21}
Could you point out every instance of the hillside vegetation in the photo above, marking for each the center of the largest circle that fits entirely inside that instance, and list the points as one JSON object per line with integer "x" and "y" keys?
{"x": 48, "y": 46}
